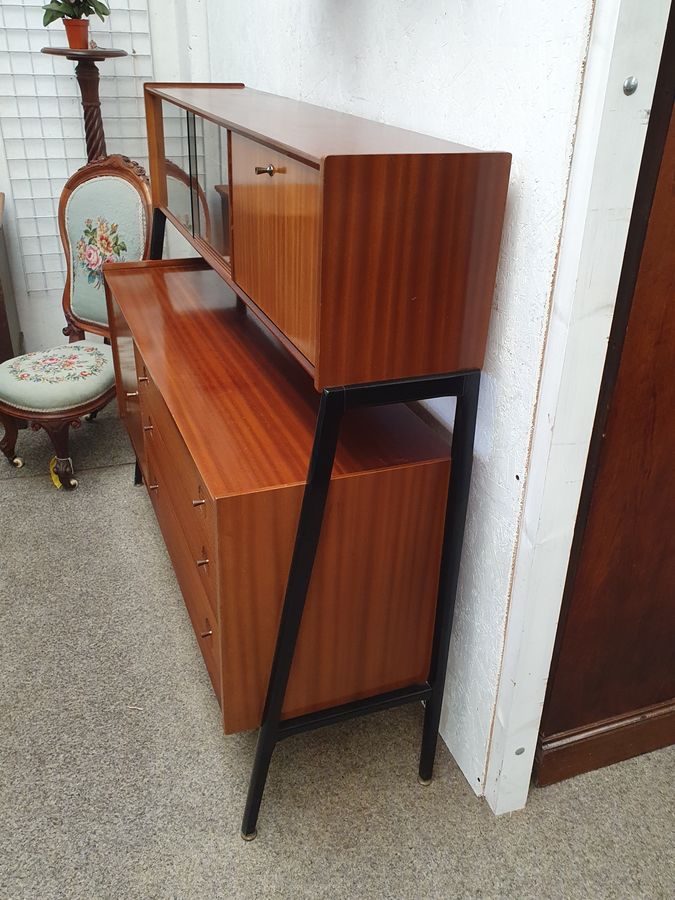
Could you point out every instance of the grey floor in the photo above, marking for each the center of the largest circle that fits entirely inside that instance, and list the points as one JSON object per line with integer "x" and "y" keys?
{"x": 116, "y": 781}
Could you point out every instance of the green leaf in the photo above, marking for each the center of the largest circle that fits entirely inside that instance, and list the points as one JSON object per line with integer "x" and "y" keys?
{"x": 49, "y": 17}
{"x": 53, "y": 11}
{"x": 100, "y": 9}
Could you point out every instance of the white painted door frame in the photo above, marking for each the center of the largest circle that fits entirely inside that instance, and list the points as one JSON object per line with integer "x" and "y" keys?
{"x": 626, "y": 39}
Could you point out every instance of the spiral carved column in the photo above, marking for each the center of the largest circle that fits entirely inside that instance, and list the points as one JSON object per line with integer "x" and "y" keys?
{"x": 87, "y": 78}
{"x": 86, "y": 72}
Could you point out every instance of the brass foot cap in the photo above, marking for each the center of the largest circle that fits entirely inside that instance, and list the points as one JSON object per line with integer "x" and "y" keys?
{"x": 424, "y": 781}
{"x": 249, "y": 837}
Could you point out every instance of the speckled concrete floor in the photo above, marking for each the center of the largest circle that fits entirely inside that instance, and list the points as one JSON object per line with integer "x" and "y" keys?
{"x": 116, "y": 781}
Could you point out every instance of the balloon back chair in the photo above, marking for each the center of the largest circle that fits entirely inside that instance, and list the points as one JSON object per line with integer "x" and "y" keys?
{"x": 104, "y": 217}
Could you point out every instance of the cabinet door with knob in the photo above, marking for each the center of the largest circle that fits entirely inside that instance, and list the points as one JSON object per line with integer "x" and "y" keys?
{"x": 276, "y": 210}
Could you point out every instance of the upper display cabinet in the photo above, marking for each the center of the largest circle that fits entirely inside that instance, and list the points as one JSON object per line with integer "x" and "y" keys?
{"x": 370, "y": 251}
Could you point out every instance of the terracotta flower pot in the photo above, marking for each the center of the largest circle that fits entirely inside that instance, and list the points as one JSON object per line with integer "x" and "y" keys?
{"x": 77, "y": 31}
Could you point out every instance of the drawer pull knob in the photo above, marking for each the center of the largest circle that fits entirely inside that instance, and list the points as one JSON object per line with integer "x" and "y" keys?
{"x": 206, "y": 634}
{"x": 198, "y": 502}
{"x": 131, "y": 394}
{"x": 202, "y": 562}
{"x": 148, "y": 427}
{"x": 153, "y": 487}
{"x": 265, "y": 170}
{"x": 143, "y": 379}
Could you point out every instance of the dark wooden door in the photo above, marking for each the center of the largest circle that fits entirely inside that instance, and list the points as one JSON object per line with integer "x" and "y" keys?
{"x": 612, "y": 686}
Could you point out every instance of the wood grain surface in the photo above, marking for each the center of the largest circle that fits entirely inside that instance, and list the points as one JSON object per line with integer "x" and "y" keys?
{"x": 204, "y": 623}
{"x": 229, "y": 385}
{"x": 301, "y": 130}
{"x": 616, "y": 642}
{"x": 409, "y": 257}
{"x": 369, "y": 616}
{"x": 192, "y": 505}
{"x": 275, "y": 232}
{"x": 605, "y": 743}
{"x": 126, "y": 378}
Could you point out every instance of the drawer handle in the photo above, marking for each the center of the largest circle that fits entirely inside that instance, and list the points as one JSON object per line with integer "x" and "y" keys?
{"x": 198, "y": 502}
{"x": 202, "y": 562}
{"x": 131, "y": 394}
{"x": 265, "y": 170}
{"x": 143, "y": 379}
{"x": 153, "y": 487}
{"x": 148, "y": 427}
{"x": 206, "y": 634}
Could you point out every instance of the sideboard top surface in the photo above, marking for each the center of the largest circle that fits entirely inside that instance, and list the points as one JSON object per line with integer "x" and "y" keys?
{"x": 303, "y": 130}
{"x": 245, "y": 409}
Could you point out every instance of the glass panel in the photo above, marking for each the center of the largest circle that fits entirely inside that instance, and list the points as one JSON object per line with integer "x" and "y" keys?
{"x": 177, "y": 162}
{"x": 212, "y": 211}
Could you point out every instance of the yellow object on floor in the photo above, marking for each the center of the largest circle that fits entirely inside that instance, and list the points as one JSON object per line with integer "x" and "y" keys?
{"x": 55, "y": 478}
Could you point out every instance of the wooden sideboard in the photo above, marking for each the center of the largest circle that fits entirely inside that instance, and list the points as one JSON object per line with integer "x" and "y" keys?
{"x": 314, "y": 522}
{"x": 222, "y": 422}
{"x": 370, "y": 251}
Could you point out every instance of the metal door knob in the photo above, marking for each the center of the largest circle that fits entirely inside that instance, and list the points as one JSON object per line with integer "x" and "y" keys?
{"x": 265, "y": 170}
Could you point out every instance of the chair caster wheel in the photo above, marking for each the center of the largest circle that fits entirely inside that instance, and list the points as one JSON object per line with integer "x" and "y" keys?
{"x": 425, "y": 782}
{"x": 249, "y": 837}
{"x": 17, "y": 462}
{"x": 61, "y": 471}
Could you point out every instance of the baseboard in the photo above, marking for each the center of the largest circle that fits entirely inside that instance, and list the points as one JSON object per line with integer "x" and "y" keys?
{"x": 561, "y": 756}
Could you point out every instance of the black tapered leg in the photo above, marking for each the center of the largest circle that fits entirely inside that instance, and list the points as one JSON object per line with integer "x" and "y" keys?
{"x": 302, "y": 562}
{"x": 138, "y": 475}
{"x": 157, "y": 234}
{"x": 455, "y": 517}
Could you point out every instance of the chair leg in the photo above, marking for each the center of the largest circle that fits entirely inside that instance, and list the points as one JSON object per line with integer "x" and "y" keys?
{"x": 58, "y": 434}
{"x": 8, "y": 442}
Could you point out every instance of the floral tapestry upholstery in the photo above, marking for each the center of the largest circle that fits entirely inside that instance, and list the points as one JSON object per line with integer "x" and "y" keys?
{"x": 105, "y": 222}
{"x": 57, "y": 379}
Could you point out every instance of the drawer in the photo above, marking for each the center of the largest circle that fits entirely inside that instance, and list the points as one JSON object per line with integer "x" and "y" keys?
{"x": 199, "y": 537}
{"x": 276, "y": 231}
{"x": 193, "y": 504}
{"x": 204, "y": 622}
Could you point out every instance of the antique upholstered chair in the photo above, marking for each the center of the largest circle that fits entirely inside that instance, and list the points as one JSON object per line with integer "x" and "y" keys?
{"x": 104, "y": 216}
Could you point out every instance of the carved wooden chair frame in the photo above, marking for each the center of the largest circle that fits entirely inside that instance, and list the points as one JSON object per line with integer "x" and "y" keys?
{"x": 122, "y": 167}
{"x": 57, "y": 424}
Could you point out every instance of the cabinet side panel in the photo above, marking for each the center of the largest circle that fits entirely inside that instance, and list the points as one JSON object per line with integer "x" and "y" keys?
{"x": 156, "y": 152}
{"x": 368, "y": 621}
{"x": 126, "y": 377}
{"x": 409, "y": 256}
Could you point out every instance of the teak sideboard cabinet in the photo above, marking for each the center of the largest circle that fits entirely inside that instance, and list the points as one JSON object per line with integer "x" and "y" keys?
{"x": 314, "y": 521}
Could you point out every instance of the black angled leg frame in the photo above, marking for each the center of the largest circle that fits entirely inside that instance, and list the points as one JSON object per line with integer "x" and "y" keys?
{"x": 157, "y": 234}
{"x": 334, "y": 403}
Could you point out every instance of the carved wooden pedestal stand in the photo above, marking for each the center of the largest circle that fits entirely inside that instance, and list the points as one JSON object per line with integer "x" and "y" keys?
{"x": 86, "y": 71}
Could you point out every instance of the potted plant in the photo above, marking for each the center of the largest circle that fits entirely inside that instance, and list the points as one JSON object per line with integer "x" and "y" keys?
{"x": 74, "y": 14}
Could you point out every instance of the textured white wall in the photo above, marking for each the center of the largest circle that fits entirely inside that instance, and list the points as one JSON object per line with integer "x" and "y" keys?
{"x": 495, "y": 75}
